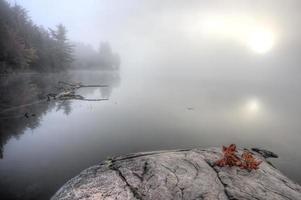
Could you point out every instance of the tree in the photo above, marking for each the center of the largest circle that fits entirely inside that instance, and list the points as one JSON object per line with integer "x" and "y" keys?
{"x": 86, "y": 57}
{"x": 15, "y": 50}
{"x": 108, "y": 59}
{"x": 25, "y": 46}
{"x": 62, "y": 48}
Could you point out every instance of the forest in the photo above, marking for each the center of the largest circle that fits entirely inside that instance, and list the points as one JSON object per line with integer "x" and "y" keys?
{"x": 26, "y": 46}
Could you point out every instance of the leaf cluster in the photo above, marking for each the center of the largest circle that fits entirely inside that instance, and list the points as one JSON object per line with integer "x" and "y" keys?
{"x": 231, "y": 159}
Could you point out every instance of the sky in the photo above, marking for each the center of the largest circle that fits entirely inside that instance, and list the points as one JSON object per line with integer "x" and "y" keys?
{"x": 176, "y": 33}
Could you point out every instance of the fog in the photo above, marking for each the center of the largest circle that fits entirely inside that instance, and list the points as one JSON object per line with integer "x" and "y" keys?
{"x": 196, "y": 34}
{"x": 180, "y": 74}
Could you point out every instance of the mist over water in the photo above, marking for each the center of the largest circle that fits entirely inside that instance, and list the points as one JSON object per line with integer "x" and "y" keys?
{"x": 190, "y": 74}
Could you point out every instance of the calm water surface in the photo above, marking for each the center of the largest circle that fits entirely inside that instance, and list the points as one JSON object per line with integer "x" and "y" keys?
{"x": 168, "y": 110}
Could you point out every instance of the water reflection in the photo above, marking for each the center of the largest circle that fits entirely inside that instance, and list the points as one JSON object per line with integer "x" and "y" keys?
{"x": 23, "y": 101}
{"x": 252, "y": 110}
{"x": 147, "y": 112}
{"x": 252, "y": 106}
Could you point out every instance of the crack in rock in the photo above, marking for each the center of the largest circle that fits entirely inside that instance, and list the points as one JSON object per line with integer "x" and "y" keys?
{"x": 175, "y": 175}
{"x": 132, "y": 189}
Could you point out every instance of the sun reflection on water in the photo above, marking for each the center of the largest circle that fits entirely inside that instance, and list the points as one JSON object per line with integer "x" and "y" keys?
{"x": 252, "y": 106}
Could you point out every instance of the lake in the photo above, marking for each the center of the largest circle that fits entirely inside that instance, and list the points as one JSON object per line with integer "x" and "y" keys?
{"x": 45, "y": 143}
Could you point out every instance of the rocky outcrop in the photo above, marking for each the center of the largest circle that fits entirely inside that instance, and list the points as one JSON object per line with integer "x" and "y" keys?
{"x": 265, "y": 153}
{"x": 180, "y": 174}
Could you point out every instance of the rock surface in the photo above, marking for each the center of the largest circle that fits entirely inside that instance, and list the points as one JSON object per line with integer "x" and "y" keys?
{"x": 265, "y": 153}
{"x": 179, "y": 174}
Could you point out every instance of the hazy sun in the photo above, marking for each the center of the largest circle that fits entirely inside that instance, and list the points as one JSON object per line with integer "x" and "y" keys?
{"x": 257, "y": 36}
{"x": 260, "y": 41}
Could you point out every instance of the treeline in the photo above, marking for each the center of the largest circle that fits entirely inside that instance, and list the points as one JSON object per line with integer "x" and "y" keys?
{"x": 24, "y": 46}
{"x": 86, "y": 57}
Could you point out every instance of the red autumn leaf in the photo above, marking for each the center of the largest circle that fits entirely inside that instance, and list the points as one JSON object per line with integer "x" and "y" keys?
{"x": 230, "y": 158}
{"x": 247, "y": 160}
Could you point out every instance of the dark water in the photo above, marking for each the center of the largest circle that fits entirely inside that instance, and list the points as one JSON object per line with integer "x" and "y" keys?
{"x": 145, "y": 111}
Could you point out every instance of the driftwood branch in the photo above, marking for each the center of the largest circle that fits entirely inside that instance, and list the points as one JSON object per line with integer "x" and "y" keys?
{"x": 80, "y": 85}
{"x": 68, "y": 93}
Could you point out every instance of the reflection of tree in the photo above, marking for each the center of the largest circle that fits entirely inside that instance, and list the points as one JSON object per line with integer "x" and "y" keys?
{"x": 1, "y": 149}
{"x": 110, "y": 78}
{"x": 22, "y": 103}
{"x": 65, "y": 106}
{"x": 23, "y": 99}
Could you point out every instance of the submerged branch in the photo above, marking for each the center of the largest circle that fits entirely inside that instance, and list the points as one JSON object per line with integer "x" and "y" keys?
{"x": 68, "y": 93}
{"x": 79, "y": 85}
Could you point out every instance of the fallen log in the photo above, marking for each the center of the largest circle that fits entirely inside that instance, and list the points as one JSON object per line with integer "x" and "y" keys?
{"x": 80, "y": 85}
{"x": 68, "y": 93}
{"x": 179, "y": 174}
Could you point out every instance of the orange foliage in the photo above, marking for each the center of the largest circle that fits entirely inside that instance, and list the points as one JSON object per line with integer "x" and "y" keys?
{"x": 246, "y": 161}
{"x": 249, "y": 162}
